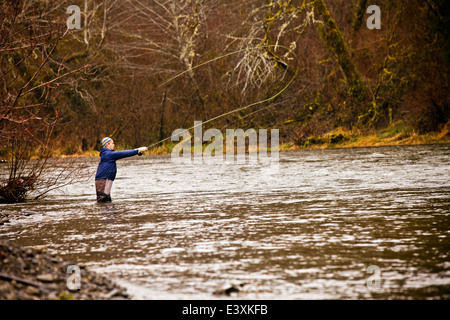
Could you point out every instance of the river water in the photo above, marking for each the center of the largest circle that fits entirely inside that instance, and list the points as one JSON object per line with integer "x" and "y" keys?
{"x": 364, "y": 223}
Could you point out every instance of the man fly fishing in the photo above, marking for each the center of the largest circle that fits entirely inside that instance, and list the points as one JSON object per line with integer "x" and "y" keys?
{"x": 107, "y": 169}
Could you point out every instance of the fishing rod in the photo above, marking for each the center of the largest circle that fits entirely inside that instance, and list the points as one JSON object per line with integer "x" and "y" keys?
{"x": 238, "y": 109}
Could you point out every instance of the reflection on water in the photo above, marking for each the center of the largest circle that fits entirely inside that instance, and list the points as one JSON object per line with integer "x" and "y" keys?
{"x": 309, "y": 230}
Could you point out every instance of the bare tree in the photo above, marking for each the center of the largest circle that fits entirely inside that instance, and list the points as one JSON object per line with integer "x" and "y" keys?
{"x": 30, "y": 79}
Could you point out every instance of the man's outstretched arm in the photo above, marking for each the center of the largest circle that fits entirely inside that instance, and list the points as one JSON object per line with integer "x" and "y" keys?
{"x": 116, "y": 155}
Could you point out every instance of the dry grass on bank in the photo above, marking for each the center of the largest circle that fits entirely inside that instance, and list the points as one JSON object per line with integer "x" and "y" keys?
{"x": 394, "y": 135}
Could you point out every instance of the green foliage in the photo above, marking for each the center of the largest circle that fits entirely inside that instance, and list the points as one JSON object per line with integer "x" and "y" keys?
{"x": 65, "y": 296}
{"x": 328, "y": 139}
{"x": 398, "y": 130}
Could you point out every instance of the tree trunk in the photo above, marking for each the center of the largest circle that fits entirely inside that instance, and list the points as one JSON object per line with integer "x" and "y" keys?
{"x": 161, "y": 119}
{"x": 334, "y": 40}
{"x": 359, "y": 14}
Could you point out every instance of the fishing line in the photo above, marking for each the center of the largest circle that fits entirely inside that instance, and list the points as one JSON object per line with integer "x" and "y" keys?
{"x": 238, "y": 109}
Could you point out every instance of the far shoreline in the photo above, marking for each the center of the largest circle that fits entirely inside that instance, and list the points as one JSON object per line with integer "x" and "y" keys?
{"x": 348, "y": 141}
{"x": 395, "y": 135}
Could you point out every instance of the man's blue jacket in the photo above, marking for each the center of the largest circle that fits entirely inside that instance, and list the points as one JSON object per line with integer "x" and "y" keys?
{"x": 107, "y": 168}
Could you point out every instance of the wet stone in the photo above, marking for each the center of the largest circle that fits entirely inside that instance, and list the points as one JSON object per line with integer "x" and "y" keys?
{"x": 45, "y": 277}
{"x": 32, "y": 290}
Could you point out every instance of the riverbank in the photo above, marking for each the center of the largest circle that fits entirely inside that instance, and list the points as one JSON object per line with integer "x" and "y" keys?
{"x": 32, "y": 273}
{"x": 396, "y": 134}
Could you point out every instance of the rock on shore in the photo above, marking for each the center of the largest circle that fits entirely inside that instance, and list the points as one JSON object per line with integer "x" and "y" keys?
{"x": 6, "y": 217}
{"x": 35, "y": 274}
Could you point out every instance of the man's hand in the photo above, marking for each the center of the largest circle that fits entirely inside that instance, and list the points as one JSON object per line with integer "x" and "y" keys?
{"x": 142, "y": 149}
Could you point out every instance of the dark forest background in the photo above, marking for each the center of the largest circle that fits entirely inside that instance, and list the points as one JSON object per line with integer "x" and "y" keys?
{"x": 66, "y": 89}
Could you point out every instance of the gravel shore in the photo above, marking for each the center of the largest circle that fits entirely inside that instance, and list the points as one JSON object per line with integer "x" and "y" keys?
{"x": 35, "y": 274}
